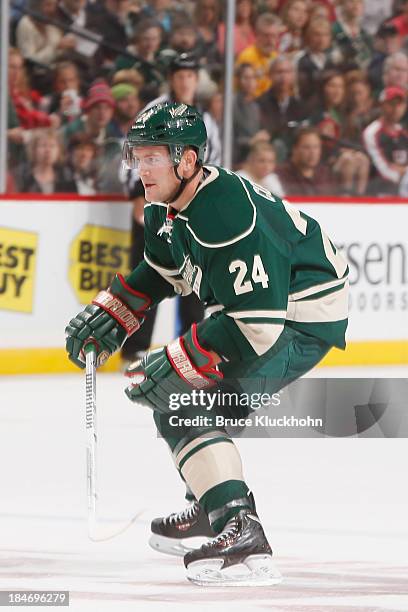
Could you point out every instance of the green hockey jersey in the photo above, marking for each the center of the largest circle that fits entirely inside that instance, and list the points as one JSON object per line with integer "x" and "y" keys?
{"x": 255, "y": 261}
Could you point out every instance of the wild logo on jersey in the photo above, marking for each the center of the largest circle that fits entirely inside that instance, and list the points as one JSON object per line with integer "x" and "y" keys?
{"x": 166, "y": 229}
{"x": 192, "y": 274}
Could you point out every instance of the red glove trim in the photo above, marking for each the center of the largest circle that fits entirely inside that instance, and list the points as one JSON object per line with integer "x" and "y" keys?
{"x": 208, "y": 366}
{"x": 114, "y": 306}
{"x": 184, "y": 367}
{"x": 130, "y": 289}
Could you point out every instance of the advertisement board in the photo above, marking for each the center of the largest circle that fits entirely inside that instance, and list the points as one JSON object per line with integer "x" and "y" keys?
{"x": 56, "y": 254}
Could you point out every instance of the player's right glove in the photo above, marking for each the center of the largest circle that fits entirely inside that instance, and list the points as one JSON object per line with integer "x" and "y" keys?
{"x": 178, "y": 368}
{"x": 115, "y": 314}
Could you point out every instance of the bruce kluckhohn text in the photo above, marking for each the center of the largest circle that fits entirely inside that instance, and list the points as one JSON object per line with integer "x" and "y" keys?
{"x": 257, "y": 420}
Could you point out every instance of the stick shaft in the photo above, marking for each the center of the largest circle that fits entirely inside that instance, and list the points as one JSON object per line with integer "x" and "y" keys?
{"x": 91, "y": 437}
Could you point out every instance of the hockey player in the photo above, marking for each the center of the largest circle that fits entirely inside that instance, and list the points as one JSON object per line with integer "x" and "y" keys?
{"x": 277, "y": 288}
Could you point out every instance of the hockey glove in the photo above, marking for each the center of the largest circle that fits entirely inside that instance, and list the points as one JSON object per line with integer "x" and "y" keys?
{"x": 115, "y": 314}
{"x": 177, "y": 368}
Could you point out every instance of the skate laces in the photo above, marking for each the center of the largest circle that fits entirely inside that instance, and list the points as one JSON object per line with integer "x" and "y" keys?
{"x": 229, "y": 532}
{"x": 187, "y": 514}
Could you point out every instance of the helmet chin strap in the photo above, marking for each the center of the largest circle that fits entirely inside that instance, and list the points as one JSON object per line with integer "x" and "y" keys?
{"x": 183, "y": 183}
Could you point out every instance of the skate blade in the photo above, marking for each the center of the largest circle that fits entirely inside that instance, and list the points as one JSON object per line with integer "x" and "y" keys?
{"x": 174, "y": 546}
{"x": 256, "y": 570}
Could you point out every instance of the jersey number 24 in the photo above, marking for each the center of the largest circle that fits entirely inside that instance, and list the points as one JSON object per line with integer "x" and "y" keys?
{"x": 242, "y": 285}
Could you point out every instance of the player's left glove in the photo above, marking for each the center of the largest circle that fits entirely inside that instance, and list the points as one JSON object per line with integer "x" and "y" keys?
{"x": 113, "y": 316}
{"x": 178, "y": 367}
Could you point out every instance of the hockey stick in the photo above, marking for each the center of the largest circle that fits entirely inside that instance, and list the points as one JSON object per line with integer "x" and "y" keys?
{"x": 96, "y": 532}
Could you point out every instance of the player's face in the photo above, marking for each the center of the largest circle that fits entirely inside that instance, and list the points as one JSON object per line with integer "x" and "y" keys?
{"x": 156, "y": 172}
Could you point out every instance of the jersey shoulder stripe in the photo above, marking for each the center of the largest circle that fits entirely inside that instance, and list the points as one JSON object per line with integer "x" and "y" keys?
{"x": 222, "y": 211}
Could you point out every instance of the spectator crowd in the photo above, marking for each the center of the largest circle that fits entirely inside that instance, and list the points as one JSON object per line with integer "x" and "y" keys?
{"x": 320, "y": 100}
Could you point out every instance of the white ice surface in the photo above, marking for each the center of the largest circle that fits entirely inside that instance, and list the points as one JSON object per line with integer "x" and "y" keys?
{"x": 335, "y": 510}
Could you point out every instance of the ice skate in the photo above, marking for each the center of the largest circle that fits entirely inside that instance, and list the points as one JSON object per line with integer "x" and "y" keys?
{"x": 239, "y": 556}
{"x": 175, "y": 534}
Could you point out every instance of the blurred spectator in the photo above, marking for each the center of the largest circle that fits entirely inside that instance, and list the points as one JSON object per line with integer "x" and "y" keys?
{"x": 127, "y": 106}
{"x": 39, "y": 41}
{"x": 206, "y": 20}
{"x": 281, "y": 111}
{"x": 304, "y": 174}
{"x": 244, "y": 34}
{"x": 15, "y": 134}
{"x": 395, "y": 70}
{"x": 67, "y": 97}
{"x": 360, "y": 108}
{"x": 215, "y": 107}
{"x": 111, "y": 17}
{"x": 83, "y": 155}
{"x": 350, "y": 166}
{"x": 386, "y": 142}
{"x": 322, "y": 9}
{"x": 295, "y": 15}
{"x": 144, "y": 46}
{"x": 184, "y": 38}
{"x": 25, "y": 100}
{"x": 183, "y": 83}
{"x": 46, "y": 174}
{"x": 96, "y": 124}
{"x": 148, "y": 40}
{"x": 375, "y": 13}
{"x": 10, "y": 183}
{"x": 77, "y": 14}
{"x": 246, "y": 114}
{"x": 268, "y": 6}
{"x": 332, "y": 97}
{"x": 259, "y": 167}
{"x": 130, "y": 76}
{"x": 163, "y": 12}
{"x": 315, "y": 58}
{"x": 263, "y": 51}
{"x": 351, "y": 41}
{"x": 387, "y": 42}
{"x": 401, "y": 22}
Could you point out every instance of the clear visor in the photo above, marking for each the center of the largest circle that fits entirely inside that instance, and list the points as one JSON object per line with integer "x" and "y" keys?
{"x": 135, "y": 158}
